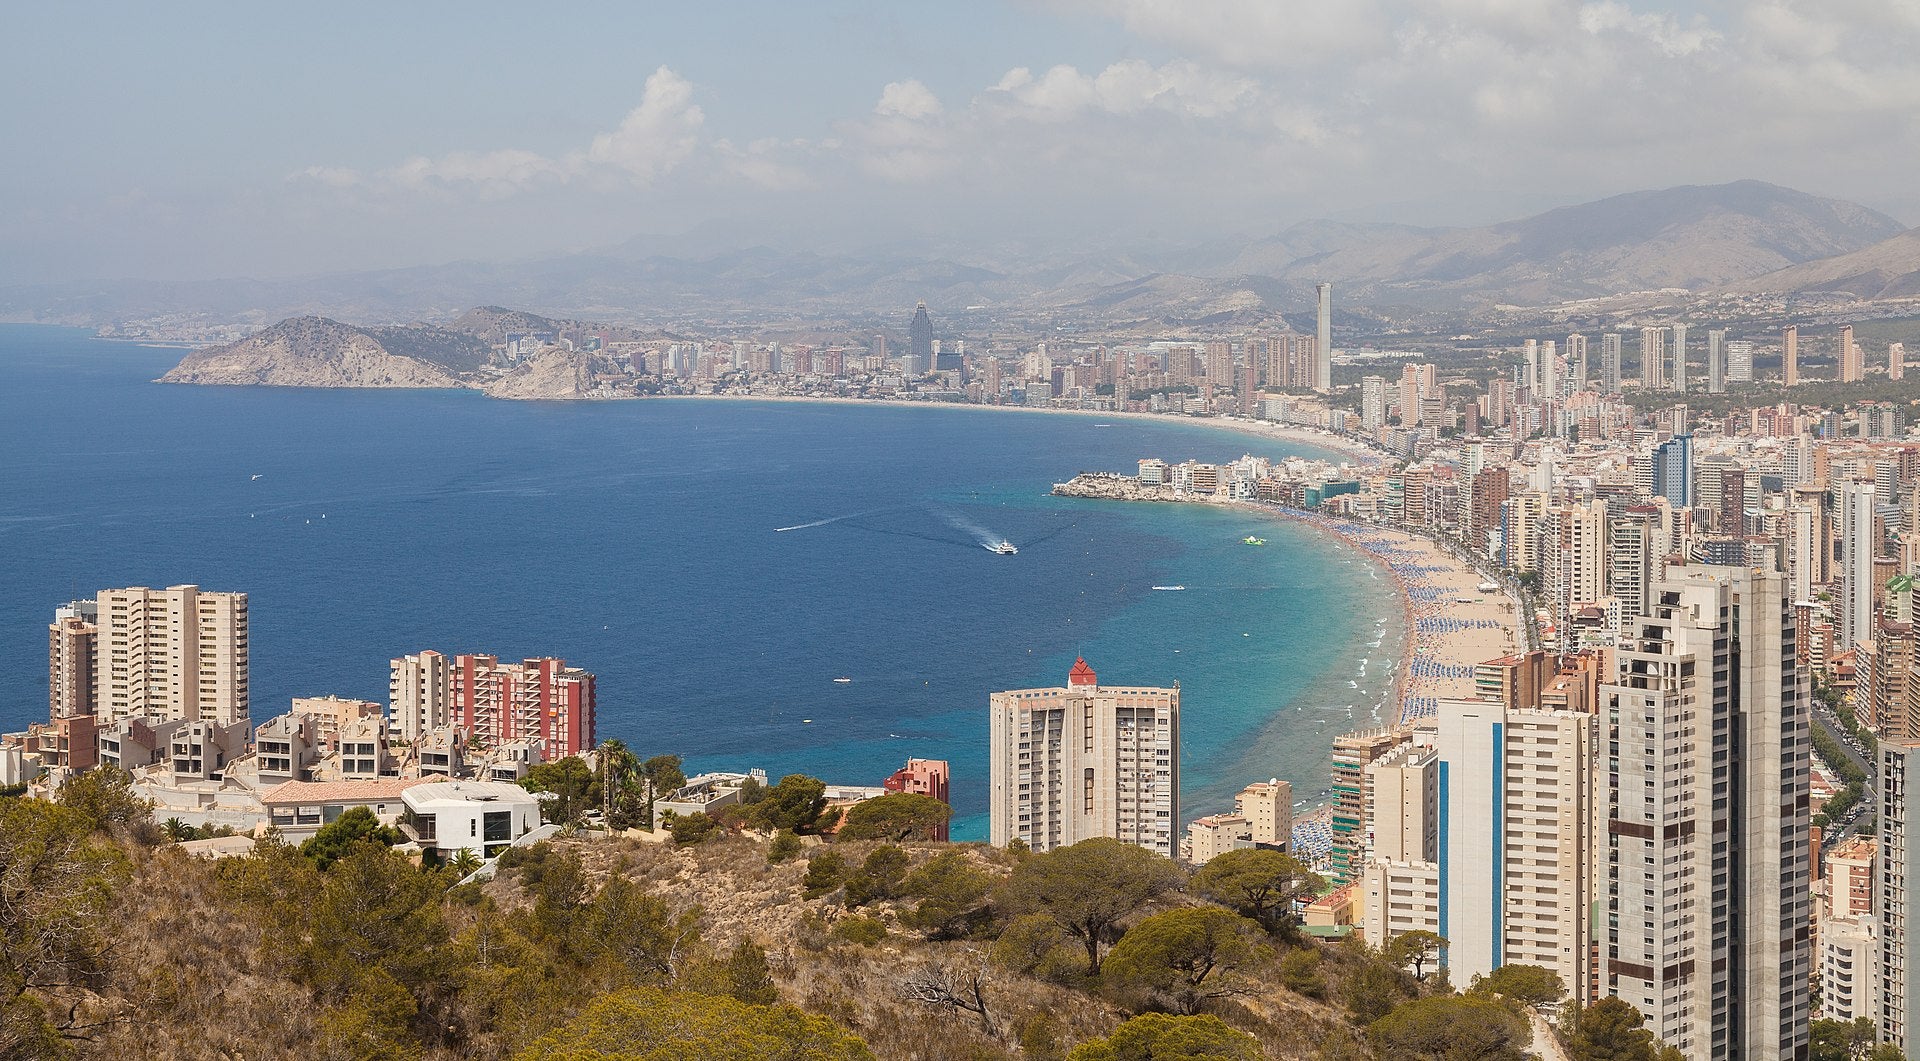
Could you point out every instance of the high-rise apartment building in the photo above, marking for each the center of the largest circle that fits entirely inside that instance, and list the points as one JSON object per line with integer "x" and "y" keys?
{"x": 542, "y": 699}
{"x": 1516, "y": 838}
{"x": 1896, "y": 361}
{"x": 173, "y": 654}
{"x": 1898, "y": 897}
{"x": 1373, "y": 403}
{"x": 1856, "y": 563}
{"x": 1323, "y": 340}
{"x": 1678, "y": 381}
{"x": 1847, "y": 353}
{"x": 1790, "y": 354}
{"x": 1610, "y": 362}
{"x": 420, "y": 694}
{"x": 1085, "y": 760}
{"x": 72, "y": 639}
{"x": 1577, "y": 361}
{"x": 1849, "y": 934}
{"x": 1706, "y": 874}
{"x": 1740, "y": 361}
{"x": 1352, "y": 790}
{"x": 1653, "y": 358}
{"x": 1673, "y": 470}
{"x": 1717, "y": 360}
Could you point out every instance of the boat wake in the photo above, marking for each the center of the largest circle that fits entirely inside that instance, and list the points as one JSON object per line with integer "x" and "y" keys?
{"x": 824, "y": 522}
{"x": 985, "y": 537}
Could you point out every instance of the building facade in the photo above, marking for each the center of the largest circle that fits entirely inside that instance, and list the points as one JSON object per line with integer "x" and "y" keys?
{"x": 1085, "y": 760}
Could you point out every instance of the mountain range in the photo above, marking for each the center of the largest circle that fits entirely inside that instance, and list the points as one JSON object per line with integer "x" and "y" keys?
{"x": 1746, "y": 236}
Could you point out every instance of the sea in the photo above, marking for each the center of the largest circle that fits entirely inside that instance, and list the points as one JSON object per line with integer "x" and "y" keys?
{"x": 718, "y": 564}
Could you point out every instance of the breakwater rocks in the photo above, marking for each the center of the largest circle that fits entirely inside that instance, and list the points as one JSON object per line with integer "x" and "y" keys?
{"x": 1106, "y": 486}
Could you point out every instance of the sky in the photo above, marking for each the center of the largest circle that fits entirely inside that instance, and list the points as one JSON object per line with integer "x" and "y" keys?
{"x": 200, "y": 140}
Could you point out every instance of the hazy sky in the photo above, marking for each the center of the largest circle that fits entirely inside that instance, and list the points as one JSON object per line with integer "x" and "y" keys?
{"x": 198, "y": 139}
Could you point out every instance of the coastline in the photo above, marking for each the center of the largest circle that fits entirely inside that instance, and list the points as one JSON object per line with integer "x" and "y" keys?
{"x": 1354, "y": 452}
{"x": 1451, "y": 624}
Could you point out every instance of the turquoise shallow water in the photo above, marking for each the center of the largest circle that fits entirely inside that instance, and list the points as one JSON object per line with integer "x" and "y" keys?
{"x": 638, "y": 539}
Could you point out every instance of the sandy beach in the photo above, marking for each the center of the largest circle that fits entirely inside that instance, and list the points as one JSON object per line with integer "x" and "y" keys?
{"x": 1452, "y": 624}
{"x": 1351, "y": 451}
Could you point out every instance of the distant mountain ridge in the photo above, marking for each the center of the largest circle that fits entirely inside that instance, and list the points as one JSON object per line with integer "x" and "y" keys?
{"x": 1886, "y": 270}
{"x": 1694, "y": 237}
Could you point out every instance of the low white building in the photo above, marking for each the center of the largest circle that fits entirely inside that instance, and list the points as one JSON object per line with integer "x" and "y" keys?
{"x": 484, "y": 817}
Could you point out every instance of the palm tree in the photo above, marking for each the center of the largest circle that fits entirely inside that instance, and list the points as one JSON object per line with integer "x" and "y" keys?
{"x": 464, "y": 863}
{"x": 618, "y": 766}
{"x": 177, "y": 830}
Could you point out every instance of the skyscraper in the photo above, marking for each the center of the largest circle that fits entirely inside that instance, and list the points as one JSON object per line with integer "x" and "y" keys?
{"x": 1898, "y": 899}
{"x": 1706, "y": 878}
{"x": 1673, "y": 470}
{"x": 1856, "y": 565}
{"x": 1516, "y": 837}
{"x": 493, "y": 703}
{"x": 1610, "y": 362}
{"x": 172, "y": 654}
{"x": 1577, "y": 360}
{"x": 72, "y": 639}
{"x": 1847, "y": 353}
{"x": 1653, "y": 358}
{"x": 1896, "y": 361}
{"x": 420, "y": 694}
{"x": 1323, "y": 345}
{"x": 1716, "y": 361}
{"x": 1068, "y": 764}
{"x": 1790, "y": 354}
{"x": 920, "y": 340}
{"x": 1740, "y": 361}
{"x": 1679, "y": 380}
{"x": 1373, "y": 402}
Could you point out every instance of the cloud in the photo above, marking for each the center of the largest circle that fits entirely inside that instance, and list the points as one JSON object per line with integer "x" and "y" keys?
{"x": 658, "y": 135}
{"x": 907, "y": 99}
{"x": 655, "y": 138}
{"x": 1257, "y": 112}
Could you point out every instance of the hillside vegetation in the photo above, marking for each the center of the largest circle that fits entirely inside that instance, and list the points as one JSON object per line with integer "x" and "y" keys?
{"x": 719, "y": 944}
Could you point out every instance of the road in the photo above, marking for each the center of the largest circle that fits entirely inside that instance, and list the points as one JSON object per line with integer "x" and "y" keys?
{"x": 1869, "y": 798}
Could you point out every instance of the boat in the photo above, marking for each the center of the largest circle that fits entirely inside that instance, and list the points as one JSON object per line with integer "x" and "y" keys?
{"x": 1004, "y": 547}
{"x": 842, "y": 681}
{"x": 1251, "y": 540}
{"x": 1170, "y": 587}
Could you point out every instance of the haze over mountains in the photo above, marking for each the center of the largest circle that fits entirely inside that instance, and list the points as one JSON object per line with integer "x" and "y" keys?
{"x": 1746, "y": 236}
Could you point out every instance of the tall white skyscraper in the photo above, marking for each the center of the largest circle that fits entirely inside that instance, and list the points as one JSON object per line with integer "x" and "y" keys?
{"x": 420, "y": 694}
{"x": 174, "y": 654}
{"x": 1856, "y": 564}
{"x": 1706, "y": 880}
{"x": 1577, "y": 361}
{"x": 1898, "y": 894}
{"x": 1610, "y": 362}
{"x": 1323, "y": 346}
{"x": 1515, "y": 838}
{"x": 1068, "y": 764}
{"x": 1679, "y": 380}
{"x": 1717, "y": 361}
{"x": 1740, "y": 361}
{"x": 1373, "y": 402}
{"x": 1653, "y": 358}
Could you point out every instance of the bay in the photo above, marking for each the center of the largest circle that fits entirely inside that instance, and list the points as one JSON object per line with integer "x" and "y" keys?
{"x": 638, "y": 539}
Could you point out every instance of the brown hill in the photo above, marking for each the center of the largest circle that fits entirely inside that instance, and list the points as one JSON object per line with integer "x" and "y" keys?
{"x": 1888, "y": 269}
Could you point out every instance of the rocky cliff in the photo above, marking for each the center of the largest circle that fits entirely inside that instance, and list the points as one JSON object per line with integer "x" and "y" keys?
{"x": 310, "y": 352}
{"x": 318, "y": 352}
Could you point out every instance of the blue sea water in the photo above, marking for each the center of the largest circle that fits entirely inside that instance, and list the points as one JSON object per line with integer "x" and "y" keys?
{"x": 637, "y": 539}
